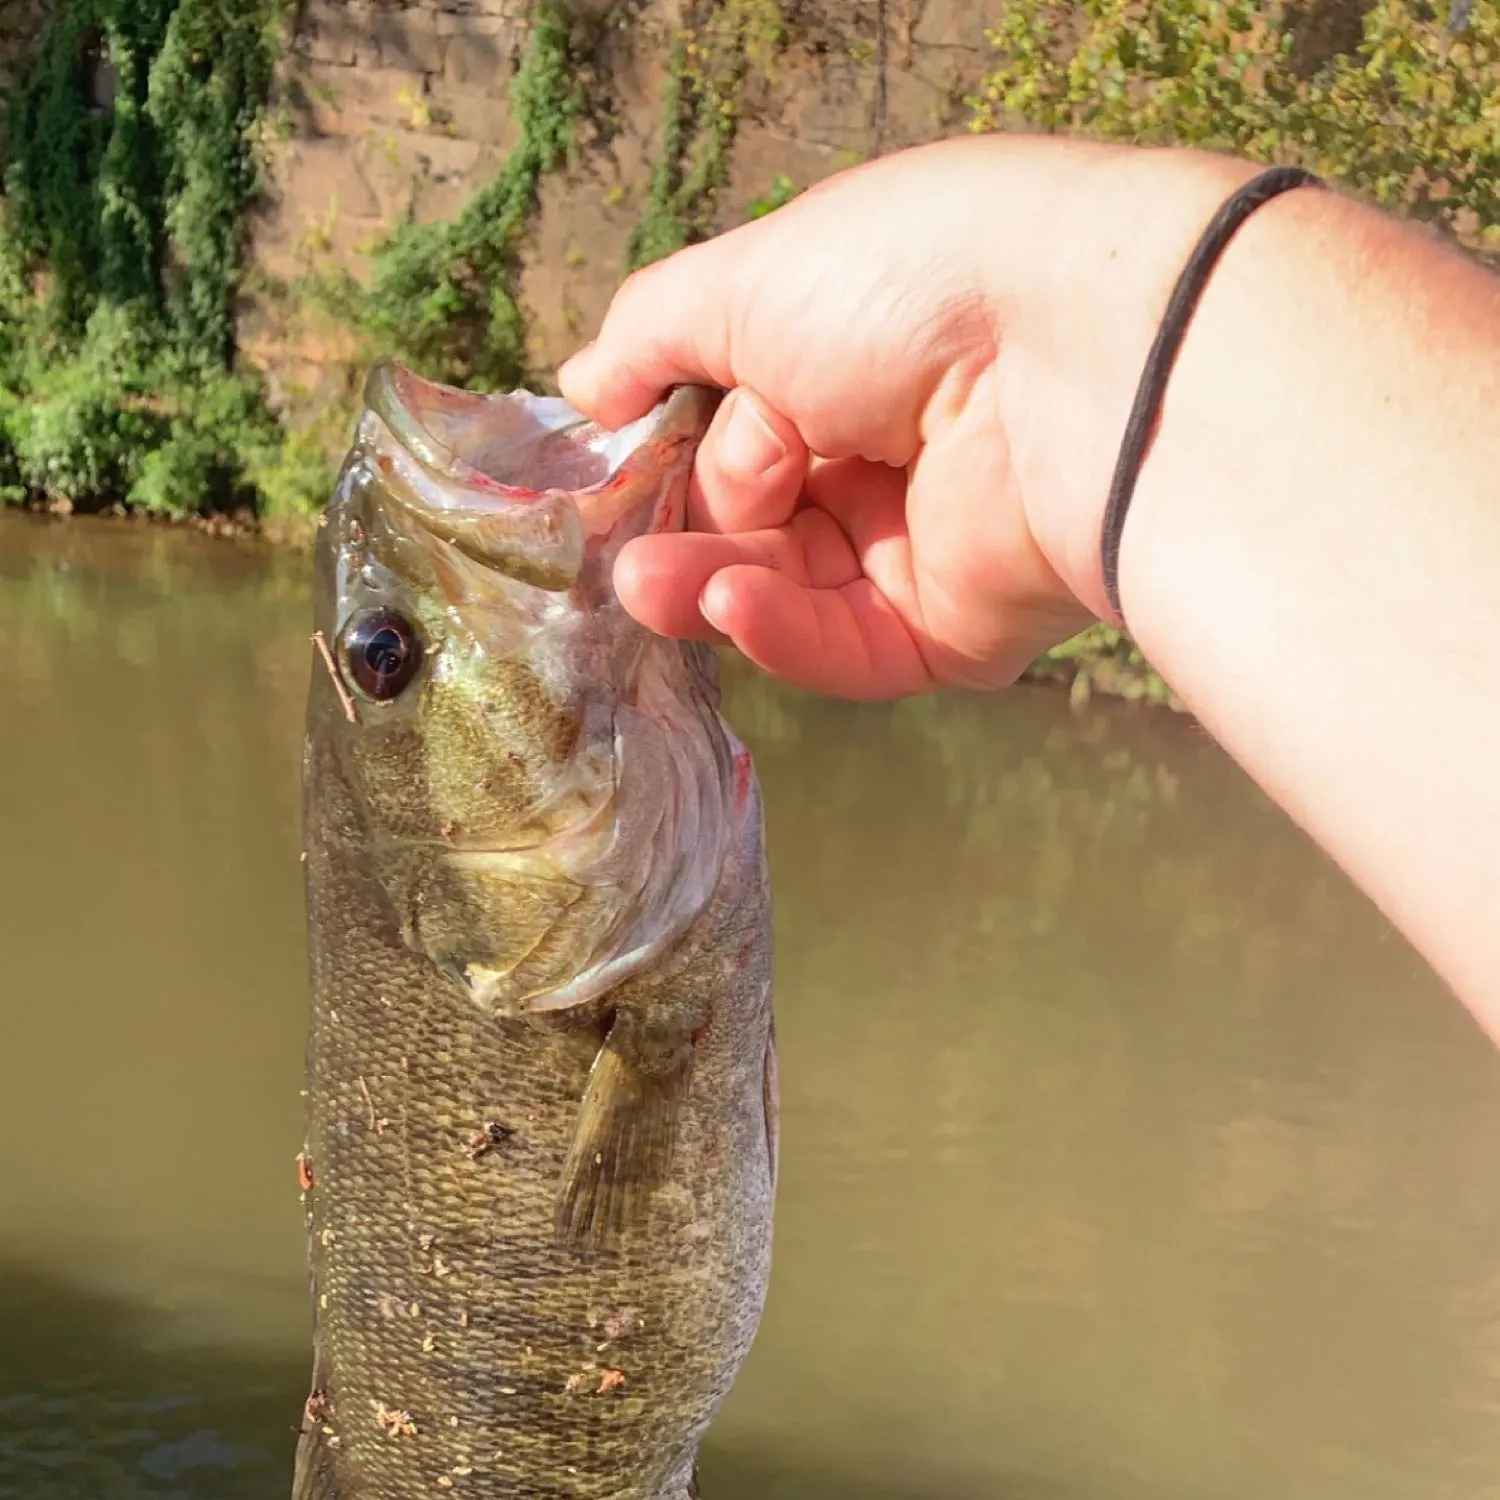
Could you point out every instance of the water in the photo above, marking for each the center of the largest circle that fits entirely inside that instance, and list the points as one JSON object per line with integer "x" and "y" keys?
{"x": 1126, "y": 1152}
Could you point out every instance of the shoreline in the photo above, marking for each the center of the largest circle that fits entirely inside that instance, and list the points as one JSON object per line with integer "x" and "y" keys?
{"x": 1098, "y": 660}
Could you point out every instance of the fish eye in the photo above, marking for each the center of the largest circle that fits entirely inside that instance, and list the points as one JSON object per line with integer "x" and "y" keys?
{"x": 382, "y": 652}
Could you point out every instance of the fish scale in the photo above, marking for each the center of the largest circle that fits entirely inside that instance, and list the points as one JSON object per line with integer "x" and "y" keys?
{"x": 462, "y": 1344}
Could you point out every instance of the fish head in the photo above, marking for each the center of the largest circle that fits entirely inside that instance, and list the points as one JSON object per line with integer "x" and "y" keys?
{"x": 513, "y": 756}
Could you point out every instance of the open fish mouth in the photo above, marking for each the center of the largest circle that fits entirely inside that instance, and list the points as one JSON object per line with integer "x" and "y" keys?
{"x": 523, "y": 483}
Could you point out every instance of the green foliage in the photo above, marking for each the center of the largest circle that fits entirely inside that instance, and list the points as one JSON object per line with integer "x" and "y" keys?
{"x": 80, "y": 438}
{"x": 712, "y": 55}
{"x": 1411, "y": 119}
{"x": 290, "y": 471}
{"x": 120, "y": 251}
{"x": 120, "y": 235}
{"x": 1105, "y": 659}
{"x": 442, "y": 296}
{"x": 782, "y": 191}
{"x": 662, "y": 229}
{"x": 139, "y": 202}
{"x": 81, "y": 182}
{"x": 123, "y": 418}
{"x": 206, "y": 93}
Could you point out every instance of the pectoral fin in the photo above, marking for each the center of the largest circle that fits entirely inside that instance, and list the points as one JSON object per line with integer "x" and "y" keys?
{"x": 622, "y": 1145}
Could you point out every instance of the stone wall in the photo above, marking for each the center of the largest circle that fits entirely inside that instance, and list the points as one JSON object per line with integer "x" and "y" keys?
{"x": 392, "y": 110}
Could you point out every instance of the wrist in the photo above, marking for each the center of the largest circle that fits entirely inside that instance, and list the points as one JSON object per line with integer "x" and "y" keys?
{"x": 1094, "y": 241}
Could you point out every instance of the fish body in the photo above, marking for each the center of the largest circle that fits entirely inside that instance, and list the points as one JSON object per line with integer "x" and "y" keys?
{"x": 541, "y": 1141}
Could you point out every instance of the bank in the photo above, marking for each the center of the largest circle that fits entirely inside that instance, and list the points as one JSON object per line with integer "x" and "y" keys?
{"x": 216, "y": 212}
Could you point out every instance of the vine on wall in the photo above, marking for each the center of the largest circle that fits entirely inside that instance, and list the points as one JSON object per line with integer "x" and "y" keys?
{"x": 129, "y": 163}
{"x": 717, "y": 46}
{"x": 121, "y": 232}
{"x": 443, "y": 296}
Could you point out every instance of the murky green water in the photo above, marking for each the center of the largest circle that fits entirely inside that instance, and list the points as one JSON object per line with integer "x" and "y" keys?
{"x": 1126, "y": 1152}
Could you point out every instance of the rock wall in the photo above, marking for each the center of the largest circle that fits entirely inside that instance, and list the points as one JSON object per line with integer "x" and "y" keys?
{"x": 392, "y": 110}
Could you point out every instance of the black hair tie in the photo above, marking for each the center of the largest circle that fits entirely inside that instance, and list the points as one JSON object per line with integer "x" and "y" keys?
{"x": 1174, "y": 324}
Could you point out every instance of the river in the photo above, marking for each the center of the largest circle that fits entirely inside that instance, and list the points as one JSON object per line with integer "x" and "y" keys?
{"x": 1126, "y": 1151}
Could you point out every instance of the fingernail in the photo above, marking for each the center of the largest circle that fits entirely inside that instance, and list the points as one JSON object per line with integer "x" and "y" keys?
{"x": 749, "y": 447}
{"x": 706, "y": 609}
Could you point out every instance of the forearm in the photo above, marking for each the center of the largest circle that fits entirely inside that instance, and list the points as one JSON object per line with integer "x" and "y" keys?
{"x": 1312, "y": 558}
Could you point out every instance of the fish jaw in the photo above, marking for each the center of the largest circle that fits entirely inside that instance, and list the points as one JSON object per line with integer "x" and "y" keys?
{"x": 526, "y": 483}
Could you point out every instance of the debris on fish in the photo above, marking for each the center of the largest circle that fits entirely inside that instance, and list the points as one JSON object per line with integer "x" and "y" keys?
{"x": 538, "y": 907}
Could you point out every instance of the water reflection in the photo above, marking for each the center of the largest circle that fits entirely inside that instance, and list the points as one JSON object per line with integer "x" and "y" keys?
{"x": 1126, "y": 1151}
{"x": 93, "y": 1405}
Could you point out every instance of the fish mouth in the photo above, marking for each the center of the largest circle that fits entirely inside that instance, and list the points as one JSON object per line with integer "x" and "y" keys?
{"x": 521, "y": 483}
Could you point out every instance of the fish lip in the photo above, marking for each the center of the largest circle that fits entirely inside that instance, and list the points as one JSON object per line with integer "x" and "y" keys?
{"x": 392, "y": 393}
{"x": 541, "y": 536}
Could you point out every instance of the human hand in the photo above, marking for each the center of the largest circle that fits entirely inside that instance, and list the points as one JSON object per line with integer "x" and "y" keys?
{"x": 930, "y": 359}
{"x": 947, "y": 343}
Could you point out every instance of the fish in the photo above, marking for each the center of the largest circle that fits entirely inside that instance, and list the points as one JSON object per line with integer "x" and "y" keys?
{"x": 541, "y": 1138}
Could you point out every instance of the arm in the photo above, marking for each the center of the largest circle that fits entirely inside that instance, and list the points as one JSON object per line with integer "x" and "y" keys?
{"x": 1312, "y": 558}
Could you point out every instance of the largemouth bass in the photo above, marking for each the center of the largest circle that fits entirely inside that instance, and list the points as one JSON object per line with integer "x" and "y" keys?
{"x": 541, "y": 1141}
